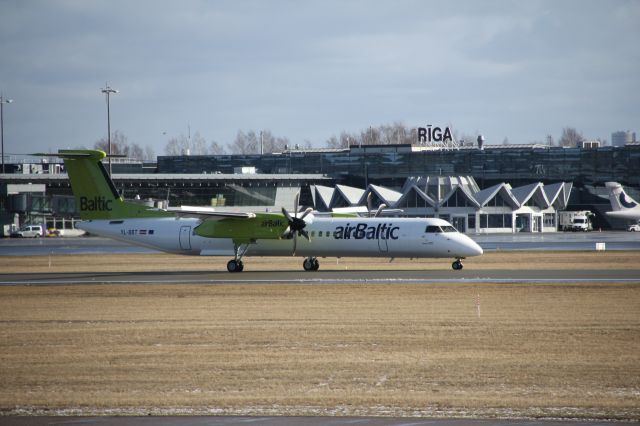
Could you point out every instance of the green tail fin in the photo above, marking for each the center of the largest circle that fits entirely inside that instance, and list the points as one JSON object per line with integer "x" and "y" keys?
{"x": 95, "y": 194}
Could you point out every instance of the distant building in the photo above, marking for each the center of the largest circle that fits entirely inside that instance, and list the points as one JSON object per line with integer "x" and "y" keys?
{"x": 623, "y": 138}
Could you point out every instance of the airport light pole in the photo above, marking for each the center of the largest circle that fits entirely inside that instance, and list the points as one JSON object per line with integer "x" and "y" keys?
{"x": 2, "y": 102}
{"x": 108, "y": 91}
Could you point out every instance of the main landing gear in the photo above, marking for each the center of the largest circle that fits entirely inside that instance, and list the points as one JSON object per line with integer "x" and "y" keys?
{"x": 311, "y": 264}
{"x": 457, "y": 265}
{"x": 235, "y": 264}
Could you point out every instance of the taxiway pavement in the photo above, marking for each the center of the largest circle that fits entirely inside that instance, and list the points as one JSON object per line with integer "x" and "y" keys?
{"x": 323, "y": 277}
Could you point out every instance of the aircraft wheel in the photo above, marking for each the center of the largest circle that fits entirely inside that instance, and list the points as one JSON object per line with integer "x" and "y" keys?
{"x": 457, "y": 265}
{"x": 310, "y": 264}
{"x": 234, "y": 266}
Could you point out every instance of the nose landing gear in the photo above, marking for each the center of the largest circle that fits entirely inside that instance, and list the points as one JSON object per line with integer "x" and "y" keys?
{"x": 311, "y": 264}
{"x": 457, "y": 264}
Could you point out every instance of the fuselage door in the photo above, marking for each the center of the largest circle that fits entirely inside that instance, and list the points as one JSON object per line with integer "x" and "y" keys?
{"x": 185, "y": 237}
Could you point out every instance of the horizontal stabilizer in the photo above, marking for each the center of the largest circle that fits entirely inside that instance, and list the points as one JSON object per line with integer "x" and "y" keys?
{"x": 98, "y": 155}
{"x": 68, "y": 155}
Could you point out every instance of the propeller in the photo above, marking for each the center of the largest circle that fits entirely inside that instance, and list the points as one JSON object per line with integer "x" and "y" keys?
{"x": 370, "y": 208}
{"x": 296, "y": 224}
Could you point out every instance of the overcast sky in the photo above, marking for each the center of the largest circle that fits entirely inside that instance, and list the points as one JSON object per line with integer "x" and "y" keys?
{"x": 307, "y": 70}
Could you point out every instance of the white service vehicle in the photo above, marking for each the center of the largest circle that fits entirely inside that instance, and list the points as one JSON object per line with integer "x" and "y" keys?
{"x": 29, "y": 231}
{"x": 634, "y": 227}
{"x": 575, "y": 221}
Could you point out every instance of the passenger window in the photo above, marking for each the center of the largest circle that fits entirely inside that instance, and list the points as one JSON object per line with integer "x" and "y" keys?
{"x": 432, "y": 229}
{"x": 319, "y": 233}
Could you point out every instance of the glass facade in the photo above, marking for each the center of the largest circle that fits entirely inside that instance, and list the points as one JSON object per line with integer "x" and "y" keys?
{"x": 496, "y": 221}
{"x": 512, "y": 164}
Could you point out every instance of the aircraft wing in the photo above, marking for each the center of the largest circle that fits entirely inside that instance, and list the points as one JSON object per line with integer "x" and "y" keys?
{"x": 208, "y": 213}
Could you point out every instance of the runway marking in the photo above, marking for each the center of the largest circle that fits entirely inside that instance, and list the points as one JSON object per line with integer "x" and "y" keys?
{"x": 315, "y": 281}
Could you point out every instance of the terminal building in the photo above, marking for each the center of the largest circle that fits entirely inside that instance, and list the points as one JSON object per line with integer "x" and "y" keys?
{"x": 506, "y": 188}
{"x": 459, "y": 200}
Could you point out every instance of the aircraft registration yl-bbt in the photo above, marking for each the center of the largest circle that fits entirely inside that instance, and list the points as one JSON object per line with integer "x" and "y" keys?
{"x": 206, "y": 232}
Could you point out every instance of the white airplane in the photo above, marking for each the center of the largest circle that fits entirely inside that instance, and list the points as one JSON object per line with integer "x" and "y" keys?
{"x": 624, "y": 207}
{"x": 206, "y": 232}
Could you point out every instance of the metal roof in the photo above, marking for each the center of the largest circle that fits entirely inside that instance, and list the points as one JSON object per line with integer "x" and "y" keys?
{"x": 16, "y": 177}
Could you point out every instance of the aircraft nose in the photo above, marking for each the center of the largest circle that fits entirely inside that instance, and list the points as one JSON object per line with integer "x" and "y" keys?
{"x": 475, "y": 248}
{"x": 471, "y": 248}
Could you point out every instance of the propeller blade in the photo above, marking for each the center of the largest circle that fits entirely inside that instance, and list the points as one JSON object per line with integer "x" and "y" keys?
{"x": 380, "y": 208}
{"x": 287, "y": 215}
{"x": 287, "y": 234}
{"x": 306, "y": 212}
{"x": 370, "y": 202}
{"x": 296, "y": 223}
{"x": 295, "y": 243}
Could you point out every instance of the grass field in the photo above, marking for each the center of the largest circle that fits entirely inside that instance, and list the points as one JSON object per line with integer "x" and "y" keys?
{"x": 506, "y": 350}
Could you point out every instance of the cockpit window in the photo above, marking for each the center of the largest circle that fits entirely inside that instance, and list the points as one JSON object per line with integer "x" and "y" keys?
{"x": 449, "y": 228}
{"x": 433, "y": 228}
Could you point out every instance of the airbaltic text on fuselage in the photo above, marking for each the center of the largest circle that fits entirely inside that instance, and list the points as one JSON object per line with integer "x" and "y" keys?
{"x": 95, "y": 204}
{"x": 360, "y": 231}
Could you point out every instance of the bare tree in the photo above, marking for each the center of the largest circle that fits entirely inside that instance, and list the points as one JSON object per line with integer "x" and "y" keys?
{"x": 371, "y": 136}
{"x": 348, "y": 139}
{"x": 149, "y": 154}
{"x": 175, "y": 146}
{"x": 121, "y": 146}
{"x": 333, "y": 142}
{"x": 136, "y": 152}
{"x": 216, "y": 149}
{"x": 570, "y": 137}
{"x": 197, "y": 145}
{"x": 241, "y": 144}
{"x": 272, "y": 143}
{"x": 182, "y": 145}
{"x": 401, "y": 134}
{"x": 465, "y": 139}
{"x": 249, "y": 143}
